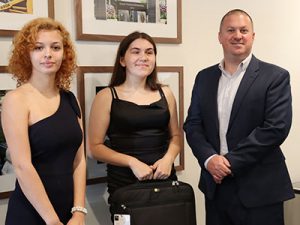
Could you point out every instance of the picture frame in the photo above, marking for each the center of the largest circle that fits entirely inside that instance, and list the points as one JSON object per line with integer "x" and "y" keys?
{"x": 7, "y": 179}
{"x": 89, "y": 78}
{"x": 99, "y": 26}
{"x": 40, "y": 8}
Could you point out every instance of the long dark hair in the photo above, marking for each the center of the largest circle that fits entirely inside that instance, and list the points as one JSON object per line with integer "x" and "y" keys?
{"x": 119, "y": 72}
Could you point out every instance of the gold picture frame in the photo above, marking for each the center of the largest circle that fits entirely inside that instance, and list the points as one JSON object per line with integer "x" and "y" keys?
{"x": 18, "y": 20}
{"x": 7, "y": 179}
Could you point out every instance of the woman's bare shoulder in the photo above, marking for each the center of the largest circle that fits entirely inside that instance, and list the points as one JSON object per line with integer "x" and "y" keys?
{"x": 16, "y": 101}
{"x": 105, "y": 93}
{"x": 18, "y": 95}
{"x": 103, "y": 98}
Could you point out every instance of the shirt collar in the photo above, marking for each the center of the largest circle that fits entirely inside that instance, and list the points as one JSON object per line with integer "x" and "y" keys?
{"x": 242, "y": 66}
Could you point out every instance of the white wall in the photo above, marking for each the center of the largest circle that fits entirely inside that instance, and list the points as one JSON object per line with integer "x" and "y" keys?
{"x": 277, "y": 29}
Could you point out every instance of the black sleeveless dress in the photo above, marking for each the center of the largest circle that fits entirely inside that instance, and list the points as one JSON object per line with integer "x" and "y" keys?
{"x": 140, "y": 131}
{"x": 54, "y": 142}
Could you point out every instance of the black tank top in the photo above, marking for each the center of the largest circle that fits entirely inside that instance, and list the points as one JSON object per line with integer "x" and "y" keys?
{"x": 137, "y": 130}
{"x": 54, "y": 142}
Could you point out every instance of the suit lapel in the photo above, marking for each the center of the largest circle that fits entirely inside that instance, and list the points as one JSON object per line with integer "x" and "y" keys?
{"x": 248, "y": 79}
{"x": 215, "y": 76}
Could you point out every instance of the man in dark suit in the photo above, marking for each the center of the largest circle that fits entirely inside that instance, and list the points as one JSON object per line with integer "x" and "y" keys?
{"x": 240, "y": 114}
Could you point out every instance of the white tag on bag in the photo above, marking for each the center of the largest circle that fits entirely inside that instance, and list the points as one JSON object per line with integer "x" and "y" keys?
{"x": 121, "y": 219}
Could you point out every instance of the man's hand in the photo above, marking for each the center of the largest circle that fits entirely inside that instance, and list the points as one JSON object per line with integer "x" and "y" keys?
{"x": 219, "y": 167}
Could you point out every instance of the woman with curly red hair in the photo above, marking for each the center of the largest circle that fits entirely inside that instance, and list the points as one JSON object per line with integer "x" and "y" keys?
{"x": 42, "y": 124}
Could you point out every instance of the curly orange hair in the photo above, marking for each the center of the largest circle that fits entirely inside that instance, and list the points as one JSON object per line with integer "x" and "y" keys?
{"x": 24, "y": 42}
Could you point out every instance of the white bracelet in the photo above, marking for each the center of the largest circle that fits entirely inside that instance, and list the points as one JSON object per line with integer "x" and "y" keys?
{"x": 79, "y": 209}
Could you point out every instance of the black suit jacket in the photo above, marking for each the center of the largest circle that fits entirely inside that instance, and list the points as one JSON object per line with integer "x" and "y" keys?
{"x": 259, "y": 123}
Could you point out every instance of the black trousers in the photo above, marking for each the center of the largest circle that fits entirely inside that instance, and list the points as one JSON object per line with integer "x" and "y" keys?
{"x": 227, "y": 209}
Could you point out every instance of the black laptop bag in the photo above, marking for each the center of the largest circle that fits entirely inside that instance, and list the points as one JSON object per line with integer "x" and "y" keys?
{"x": 155, "y": 203}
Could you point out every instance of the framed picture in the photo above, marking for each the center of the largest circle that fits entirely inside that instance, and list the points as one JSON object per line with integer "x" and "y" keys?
{"x": 111, "y": 20}
{"x": 91, "y": 79}
{"x": 7, "y": 175}
{"x": 14, "y": 14}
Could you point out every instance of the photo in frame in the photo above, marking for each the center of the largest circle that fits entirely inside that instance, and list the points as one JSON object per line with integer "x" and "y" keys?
{"x": 91, "y": 79}
{"x": 112, "y": 20}
{"x": 7, "y": 175}
{"x": 14, "y": 14}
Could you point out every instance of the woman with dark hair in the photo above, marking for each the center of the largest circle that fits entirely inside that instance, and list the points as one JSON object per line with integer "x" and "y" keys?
{"x": 139, "y": 117}
{"x": 42, "y": 125}
{"x": 119, "y": 72}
